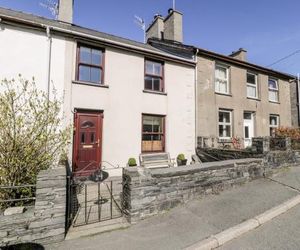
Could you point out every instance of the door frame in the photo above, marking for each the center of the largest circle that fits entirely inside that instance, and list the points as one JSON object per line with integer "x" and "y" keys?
{"x": 253, "y": 126}
{"x": 75, "y": 125}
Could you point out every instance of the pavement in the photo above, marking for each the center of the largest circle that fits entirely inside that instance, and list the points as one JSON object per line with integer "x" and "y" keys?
{"x": 189, "y": 224}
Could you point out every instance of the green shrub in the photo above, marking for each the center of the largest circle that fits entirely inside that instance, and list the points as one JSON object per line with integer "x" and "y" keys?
{"x": 131, "y": 162}
{"x": 181, "y": 157}
{"x": 31, "y": 135}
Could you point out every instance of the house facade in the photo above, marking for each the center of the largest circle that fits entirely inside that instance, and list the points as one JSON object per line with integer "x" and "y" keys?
{"x": 244, "y": 100}
{"x": 235, "y": 100}
{"x": 122, "y": 97}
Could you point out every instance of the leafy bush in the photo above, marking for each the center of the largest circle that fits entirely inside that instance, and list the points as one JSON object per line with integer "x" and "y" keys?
{"x": 181, "y": 157}
{"x": 293, "y": 133}
{"x": 131, "y": 162}
{"x": 31, "y": 134}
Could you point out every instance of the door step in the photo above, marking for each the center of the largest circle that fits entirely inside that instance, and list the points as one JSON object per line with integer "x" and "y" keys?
{"x": 97, "y": 228}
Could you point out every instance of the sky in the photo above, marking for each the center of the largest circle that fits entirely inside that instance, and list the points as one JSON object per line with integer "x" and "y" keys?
{"x": 268, "y": 29}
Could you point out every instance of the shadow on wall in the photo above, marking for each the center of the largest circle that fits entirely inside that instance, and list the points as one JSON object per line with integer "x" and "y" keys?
{"x": 24, "y": 246}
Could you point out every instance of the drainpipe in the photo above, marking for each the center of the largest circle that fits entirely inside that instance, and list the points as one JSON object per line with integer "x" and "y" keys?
{"x": 196, "y": 98}
{"x": 298, "y": 95}
{"x": 49, "y": 38}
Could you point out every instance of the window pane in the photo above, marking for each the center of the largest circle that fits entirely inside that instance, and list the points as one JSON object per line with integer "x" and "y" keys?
{"x": 156, "y": 84}
{"x": 221, "y": 72}
{"x": 96, "y": 57}
{"x": 84, "y": 73}
{"x": 247, "y": 116}
{"x": 273, "y": 84}
{"x": 82, "y": 138}
{"x": 153, "y": 68}
{"x": 251, "y": 91}
{"x": 147, "y": 137}
{"x": 251, "y": 78}
{"x": 148, "y": 82}
{"x": 224, "y": 131}
{"x": 224, "y": 117}
{"x": 96, "y": 75}
{"x": 149, "y": 67}
{"x": 157, "y": 69}
{"x": 273, "y": 121}
{"x": 273, "y": 95}
{"x": 223, "y": 87}
{"x": 85, "y": 55}
{"x": 92, "y": 137}
{"x": 246, "y": 132}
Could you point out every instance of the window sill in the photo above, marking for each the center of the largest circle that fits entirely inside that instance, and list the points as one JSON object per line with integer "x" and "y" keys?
{"x": 220, "y": 93}
{"x": 274, "y": 102}
{"x": 90, "y": 84}
{"x": 154, "y": 92}
{"x": 253, "y": 98}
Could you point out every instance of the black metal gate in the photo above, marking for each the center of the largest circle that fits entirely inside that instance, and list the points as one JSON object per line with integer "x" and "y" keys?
{"x": 93, "y": 201}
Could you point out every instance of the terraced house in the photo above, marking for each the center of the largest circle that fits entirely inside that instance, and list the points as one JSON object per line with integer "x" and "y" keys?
{"x": 236, "y": 100}
{"x": 123, "y": 97}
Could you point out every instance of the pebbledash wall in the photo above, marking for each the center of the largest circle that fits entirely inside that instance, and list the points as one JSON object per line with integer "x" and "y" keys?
{"x": 45, "y": 222}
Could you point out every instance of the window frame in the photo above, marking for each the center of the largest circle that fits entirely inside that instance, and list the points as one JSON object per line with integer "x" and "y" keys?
{"x": 225, "y": 123}
{"x": 101, "y": 66}
{"x": 252, "y": 85}
{"x": 161, "y": 77}
{"x": 274, "y": 90}
{"x": 162, "y": 134}
{"x": 220, "y": 65}
{"x": 274, "y": 126}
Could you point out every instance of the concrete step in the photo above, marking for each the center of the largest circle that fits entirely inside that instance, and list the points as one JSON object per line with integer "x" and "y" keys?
{"x": 97, "y": 228}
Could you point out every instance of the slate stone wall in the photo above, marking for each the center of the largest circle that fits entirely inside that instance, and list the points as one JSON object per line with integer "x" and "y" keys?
{"x": 153, "y": 191}
{"x": 45, "y": 222}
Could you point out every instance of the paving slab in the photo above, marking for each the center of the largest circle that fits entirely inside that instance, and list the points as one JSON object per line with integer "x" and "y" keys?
{"x": 192, "y": 222}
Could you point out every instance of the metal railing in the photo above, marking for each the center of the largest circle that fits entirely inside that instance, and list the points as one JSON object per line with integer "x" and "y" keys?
{"x": 20, "y": 195}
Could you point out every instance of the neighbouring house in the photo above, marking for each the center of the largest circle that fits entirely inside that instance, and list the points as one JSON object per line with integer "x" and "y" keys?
{"x": 123, "y": 97}
{"x": 235, "y": 98}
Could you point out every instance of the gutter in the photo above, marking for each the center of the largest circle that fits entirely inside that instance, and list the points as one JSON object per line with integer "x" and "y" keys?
{"x": 196, "y": 99}
{"x": 101, "y": 39}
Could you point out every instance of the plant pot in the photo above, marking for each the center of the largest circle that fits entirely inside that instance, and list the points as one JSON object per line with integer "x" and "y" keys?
{"x": 181, "y": 162}
{"x": 132, "y": 165}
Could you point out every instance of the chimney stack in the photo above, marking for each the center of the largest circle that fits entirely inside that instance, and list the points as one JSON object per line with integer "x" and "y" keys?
{"x": 169, "y": 28}
{"x": 65, "y": 11}
{"x": 156, "y": 28}
{"x": 241, "y": 54}
{"x": 173, "y": 26}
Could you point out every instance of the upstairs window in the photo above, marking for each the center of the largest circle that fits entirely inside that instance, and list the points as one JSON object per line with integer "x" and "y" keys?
{"x": 225, "y": 124}
{"x": 221, "y": 79}
{"x": 273, "y": 90}
{"x": 154, "y": 76}
{"x": 274, "y": 124}
{"x": 252, "y": 90}
{"x": 90, "y": 65}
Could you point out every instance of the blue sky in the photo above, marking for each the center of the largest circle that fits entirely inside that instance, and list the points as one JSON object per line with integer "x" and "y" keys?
{"x": 268, "y": 29}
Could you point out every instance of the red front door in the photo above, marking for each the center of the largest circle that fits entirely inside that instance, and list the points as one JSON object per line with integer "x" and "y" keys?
{"x": 87, "y": 146}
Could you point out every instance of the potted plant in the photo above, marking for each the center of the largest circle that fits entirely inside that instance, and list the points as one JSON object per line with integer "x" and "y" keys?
{"x": 131, "y": 162}
{"x": 181, "y": 160}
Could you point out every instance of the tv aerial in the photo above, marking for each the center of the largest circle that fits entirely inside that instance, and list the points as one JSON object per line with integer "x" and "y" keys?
{"x": 142, "y": 24}
{"x": 52, "y": 6}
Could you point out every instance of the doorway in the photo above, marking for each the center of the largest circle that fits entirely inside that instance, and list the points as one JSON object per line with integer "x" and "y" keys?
{"x": 87, "y": 142}
{"x": 248, "y": 128}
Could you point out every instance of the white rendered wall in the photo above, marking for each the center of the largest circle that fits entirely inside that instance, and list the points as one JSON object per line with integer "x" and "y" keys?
{"x": 25, "y": 52}
{"x": 124, "y": 102}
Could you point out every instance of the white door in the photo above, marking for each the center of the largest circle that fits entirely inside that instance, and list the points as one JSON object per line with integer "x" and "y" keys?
{"x": 248, "y": 129}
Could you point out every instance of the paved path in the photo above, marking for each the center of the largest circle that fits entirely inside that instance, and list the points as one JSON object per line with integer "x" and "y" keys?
{"x": 197, "y": 220}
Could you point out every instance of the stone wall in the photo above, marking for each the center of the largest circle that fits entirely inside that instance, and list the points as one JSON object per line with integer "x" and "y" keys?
{"x": 152, "y": 191}
{"x": 45, "y": 222}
